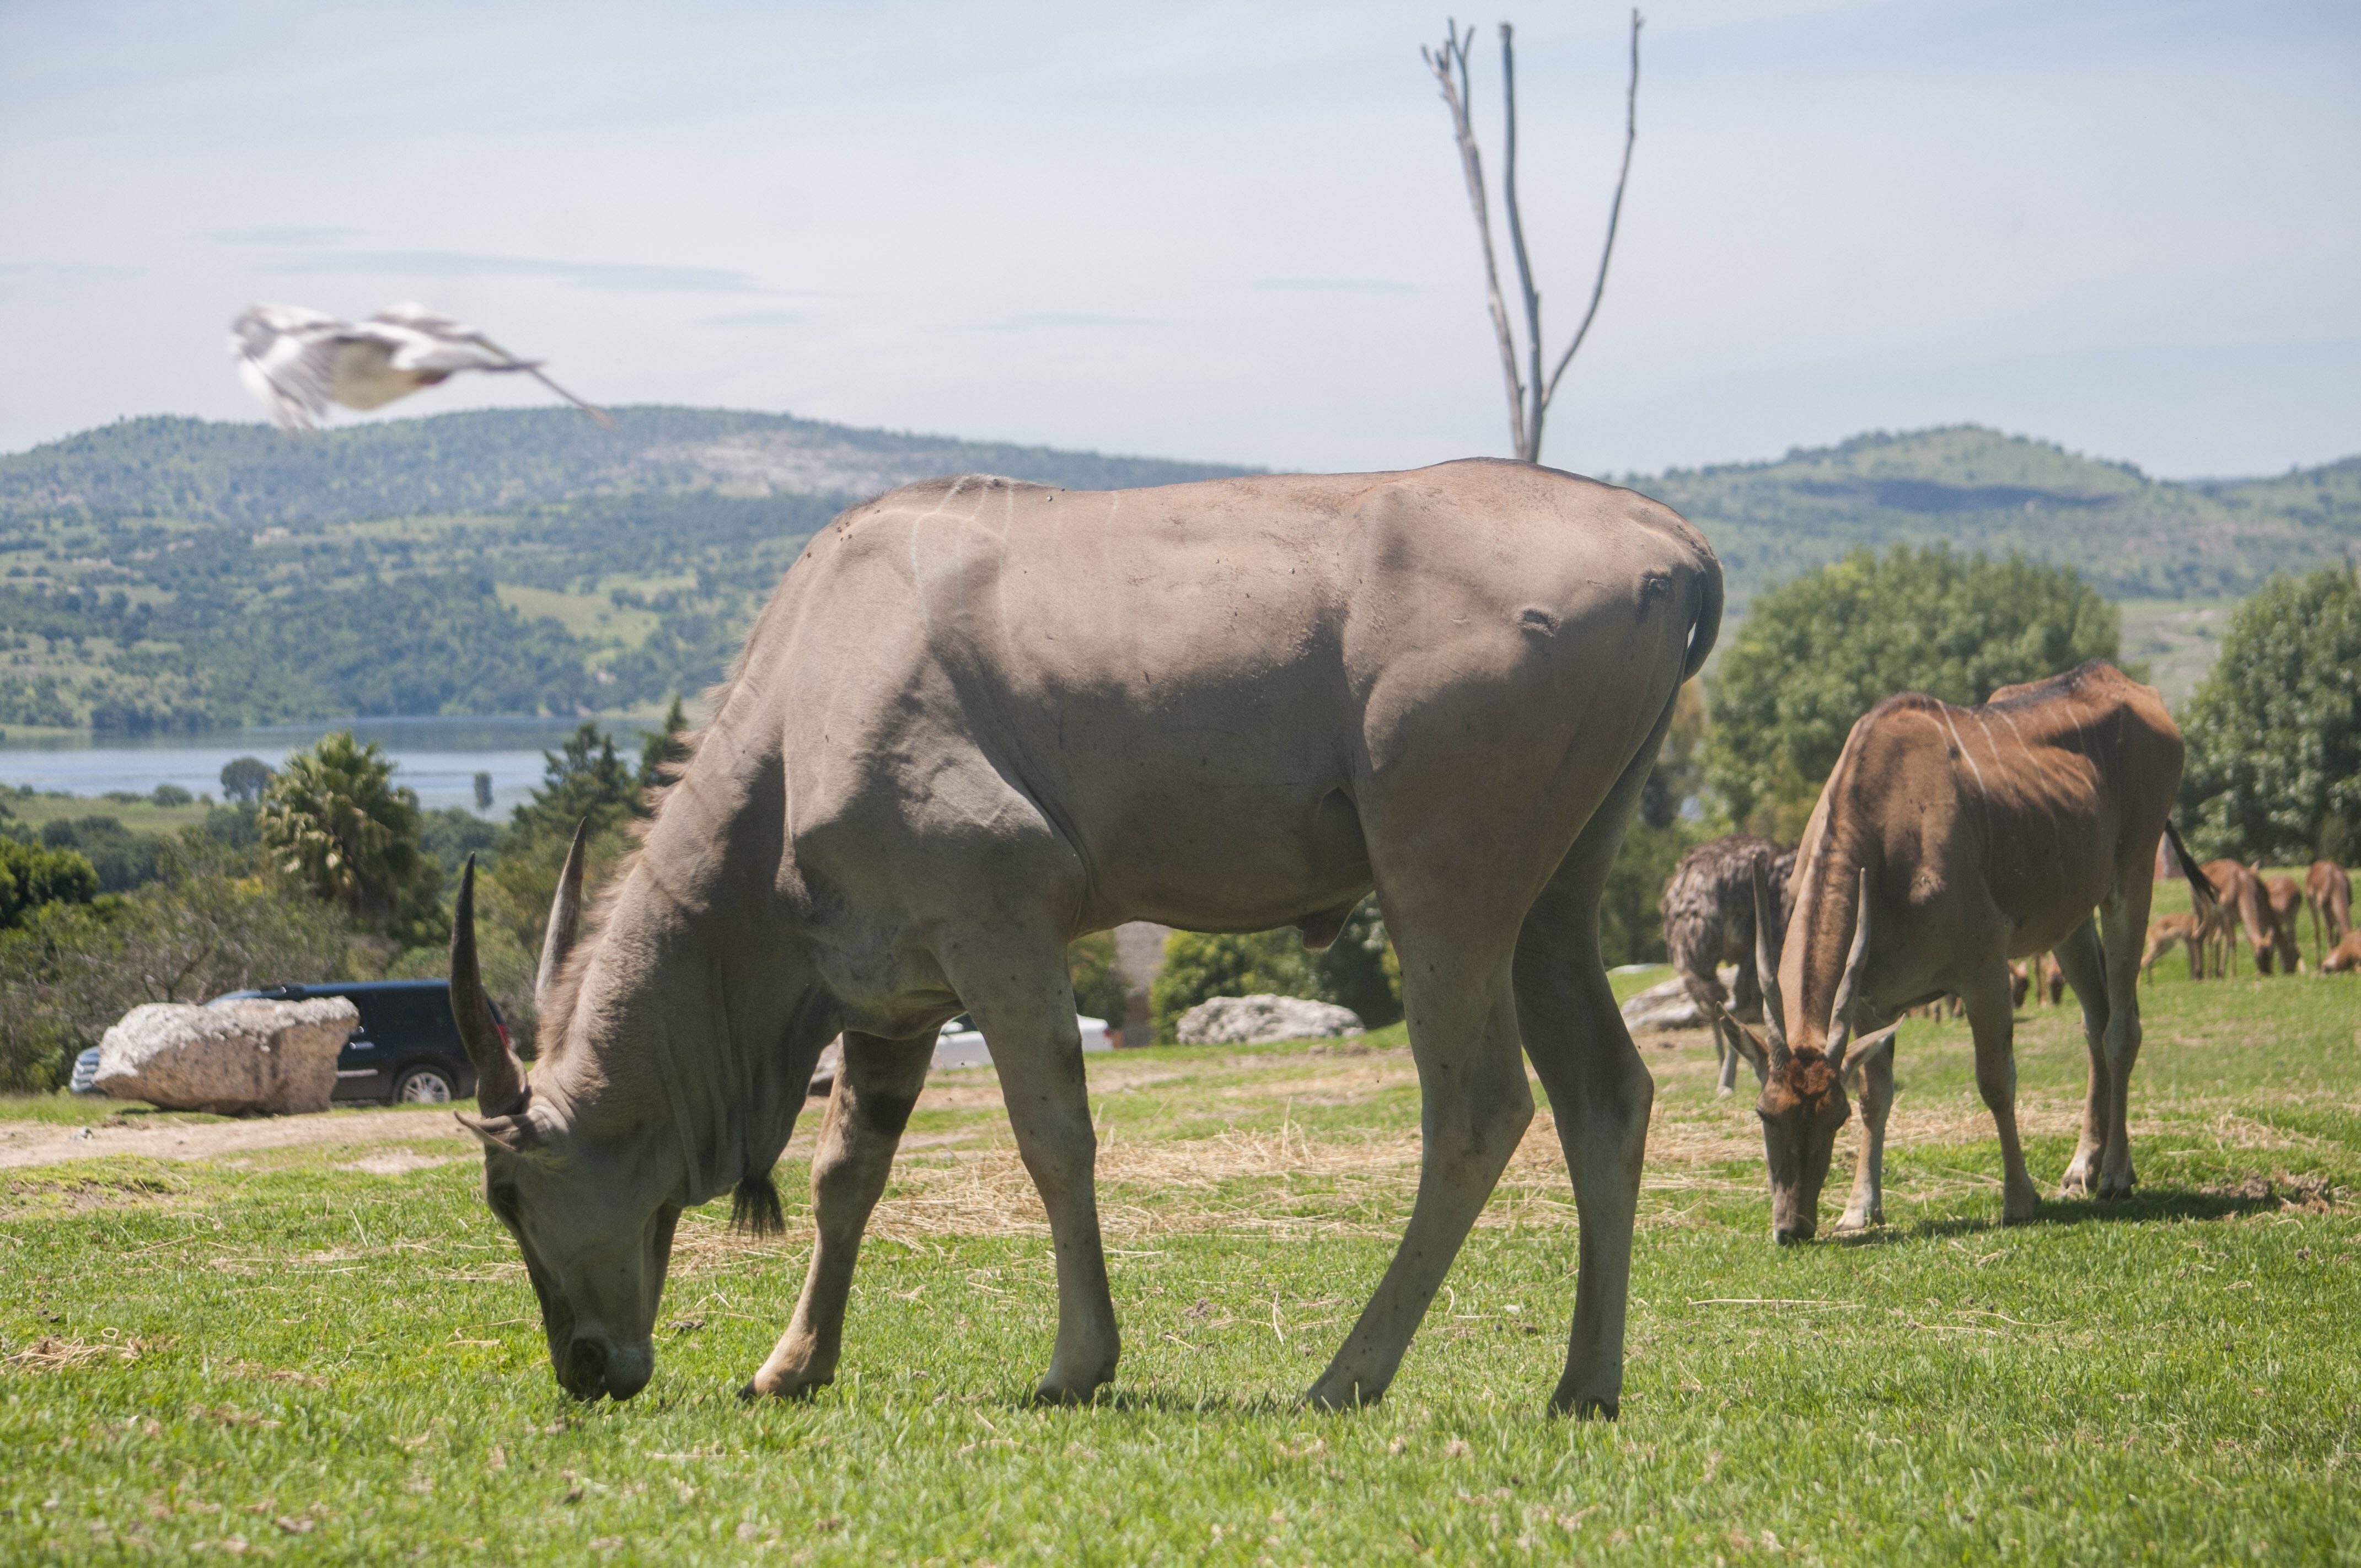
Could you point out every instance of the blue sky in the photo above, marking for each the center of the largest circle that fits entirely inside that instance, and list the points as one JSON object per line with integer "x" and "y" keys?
{"x": 1219, "y": 230}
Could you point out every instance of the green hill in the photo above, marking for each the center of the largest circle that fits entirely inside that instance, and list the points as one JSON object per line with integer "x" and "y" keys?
{"x": 2134, "y": 537}
{"x": 175, "y": 573}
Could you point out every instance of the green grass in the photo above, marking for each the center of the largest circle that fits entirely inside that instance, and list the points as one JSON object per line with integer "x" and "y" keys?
{"x": 36, "y": 811}
{"x": 328, "y": 1365}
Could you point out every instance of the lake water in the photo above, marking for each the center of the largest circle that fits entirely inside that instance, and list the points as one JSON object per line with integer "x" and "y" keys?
{"x": 439, "y": 758}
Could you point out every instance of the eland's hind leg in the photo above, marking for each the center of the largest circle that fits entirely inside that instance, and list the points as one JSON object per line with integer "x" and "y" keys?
{"x": 2122, "y": 919}
{"x": 866, "y": 1112}
{"x": 2085, "y": 966}
{"x": 1599, "y": 1090}
{"x": 1475, "y": 1109}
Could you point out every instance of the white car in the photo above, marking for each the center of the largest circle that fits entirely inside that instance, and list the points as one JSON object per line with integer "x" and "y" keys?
{"x": 960, "y": 1044}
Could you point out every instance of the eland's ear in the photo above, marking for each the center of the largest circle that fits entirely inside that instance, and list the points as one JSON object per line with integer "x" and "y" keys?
{"x": 1868, "y": 1046}
{"x": 514, "y": 1134}
{"x": 1743, "y": 1041}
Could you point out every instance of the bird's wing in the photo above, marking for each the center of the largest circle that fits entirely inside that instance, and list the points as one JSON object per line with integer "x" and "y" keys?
{"x": 437, "y": 341}
{"x": 286, "y": 354}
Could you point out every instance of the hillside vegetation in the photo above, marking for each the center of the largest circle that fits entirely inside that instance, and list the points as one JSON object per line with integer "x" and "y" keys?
{"x": 168, "y": 573}
{"x": 2133, "y": 536}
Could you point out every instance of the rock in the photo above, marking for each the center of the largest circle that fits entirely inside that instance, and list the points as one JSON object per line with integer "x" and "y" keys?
{"x": 277, "y": 1057}
{"x": 825, "y": 1072}
{"x": 1668, "y": 1005}
{"x": 1665, "y": 1006}
{"x": 1258, "y": 1020}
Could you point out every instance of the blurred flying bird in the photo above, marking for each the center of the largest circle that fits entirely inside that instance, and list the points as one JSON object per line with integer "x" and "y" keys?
{"x": 297, "y": 361}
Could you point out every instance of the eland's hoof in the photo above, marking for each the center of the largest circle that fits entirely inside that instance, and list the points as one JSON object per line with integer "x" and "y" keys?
{"x": 1587, "y": 1406}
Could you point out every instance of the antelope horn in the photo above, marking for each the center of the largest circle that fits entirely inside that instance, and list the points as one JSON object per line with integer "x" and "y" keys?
{"x": 565, "y": 912}
{"x": 500, "y": 1082}
{"x": 1841, "y": 1014}
{"x": 1766, "y": 967}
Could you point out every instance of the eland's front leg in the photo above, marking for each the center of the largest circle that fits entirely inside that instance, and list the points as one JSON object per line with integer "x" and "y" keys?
{"x": 1039, "y": 1054}
{"x": 866, "y": 1112}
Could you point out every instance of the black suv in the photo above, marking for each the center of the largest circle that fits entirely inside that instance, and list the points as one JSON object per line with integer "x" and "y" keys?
{"x": 407, "y": 1048}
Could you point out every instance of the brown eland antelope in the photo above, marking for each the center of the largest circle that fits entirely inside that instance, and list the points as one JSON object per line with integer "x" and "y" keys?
{"x": 2328, "y": 893}
{"x": 2344, "y": 958}
{"x": 981, "y": 717}
{"x": 1708, "y": 912}
{"x": 2283, "y": 904}
{"x": 2238, "y": 905}
{"x": 1947, "y": 840}
{"x": 2165, "y": 933}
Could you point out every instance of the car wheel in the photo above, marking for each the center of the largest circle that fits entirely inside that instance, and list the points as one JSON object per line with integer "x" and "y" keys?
{"x": 425, "y": 1086}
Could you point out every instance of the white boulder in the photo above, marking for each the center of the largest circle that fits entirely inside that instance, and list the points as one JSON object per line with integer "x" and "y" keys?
{"x": 276, "y": 1057}
{"x": 1669, "y": 1005}
{"x": 1665, "y": 1006}
{"x": 1258, "y": 1020}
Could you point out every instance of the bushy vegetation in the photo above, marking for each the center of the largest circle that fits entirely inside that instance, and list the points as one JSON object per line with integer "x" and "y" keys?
{"x": 1814, "y": 655}
{"x": 2274, "y": 732}
{"x": 1357, "y": 970}
{"x": 209, "y": 922}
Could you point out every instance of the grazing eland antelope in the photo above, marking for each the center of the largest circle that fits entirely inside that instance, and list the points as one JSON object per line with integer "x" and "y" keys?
{"x": 981, "y": 717}
{"x": 2238, "y": 904}
{"x": 2328, "y": 893}
{"x": 2344, "y": 958}
{"x": 297, "y": 361}
{"x": 1947, "y": 841}
{"x": 2167, "y": 932}
{"x": 2283, "y": 904}
{"x": 1708, "y": 912}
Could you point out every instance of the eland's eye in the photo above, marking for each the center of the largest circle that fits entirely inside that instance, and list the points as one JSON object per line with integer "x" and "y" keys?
{"x": 503, "y": 1201}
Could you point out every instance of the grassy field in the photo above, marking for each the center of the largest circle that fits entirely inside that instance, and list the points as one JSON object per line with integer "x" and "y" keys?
{"x": 329, "y": 1353}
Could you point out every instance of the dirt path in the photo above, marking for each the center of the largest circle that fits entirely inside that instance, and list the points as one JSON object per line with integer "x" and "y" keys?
{"x": 47, "y": 1143}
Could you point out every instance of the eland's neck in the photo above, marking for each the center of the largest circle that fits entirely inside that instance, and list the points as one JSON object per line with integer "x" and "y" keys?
{"x": 696, "y": 1016}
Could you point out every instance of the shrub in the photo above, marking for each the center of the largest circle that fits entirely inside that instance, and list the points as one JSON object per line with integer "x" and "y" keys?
{"x": 207, "y": 926}
{"x": 1357, "y": 970}
{"x": 31, "y": 877}
{"x": 1098, "y": 983}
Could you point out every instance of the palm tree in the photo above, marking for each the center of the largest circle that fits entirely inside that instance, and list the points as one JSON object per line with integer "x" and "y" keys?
{"x": 332, "y": 820}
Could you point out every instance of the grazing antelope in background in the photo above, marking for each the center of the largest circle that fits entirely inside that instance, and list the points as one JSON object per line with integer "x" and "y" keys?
{"x": 1947, "y": 840}
{"x": 1708, "y": 912}
{"x": 2238, "y": 906}
{"x": 2163, "y": 935}
{"x": 2328, "y": 893}
{"x": 2344, "y": 958}
{"x": 2282, "y": 902}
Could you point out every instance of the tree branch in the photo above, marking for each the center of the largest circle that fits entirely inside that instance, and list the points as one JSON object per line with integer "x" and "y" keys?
{"x": 1614, "y": 216}
{"x": 1529, "y": 446}
{"x": 1450, "y": 67}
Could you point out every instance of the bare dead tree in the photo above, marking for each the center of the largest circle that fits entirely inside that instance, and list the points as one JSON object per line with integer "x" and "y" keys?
{"x": 1529, "y": 391}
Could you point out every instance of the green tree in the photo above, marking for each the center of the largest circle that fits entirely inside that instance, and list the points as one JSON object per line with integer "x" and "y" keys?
{"x": 243, "y": 780}
{"x": 661, "y": 752}
{"x": 582, "y": 781}
{"x": 1814, "y": 655}
{"x": 334, "y": 821}
{"x": 2274, "y": 731}
{"x": 31, "y": 876}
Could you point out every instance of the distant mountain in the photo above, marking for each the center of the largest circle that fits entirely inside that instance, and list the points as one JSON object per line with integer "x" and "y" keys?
{"x": 500, "y": 459}
{"x": 174, "y": 574}
{"x": 2134, "y": 537}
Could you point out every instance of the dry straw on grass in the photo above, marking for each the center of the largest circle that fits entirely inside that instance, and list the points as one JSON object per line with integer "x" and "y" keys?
{"x": 52, "y": 1353}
